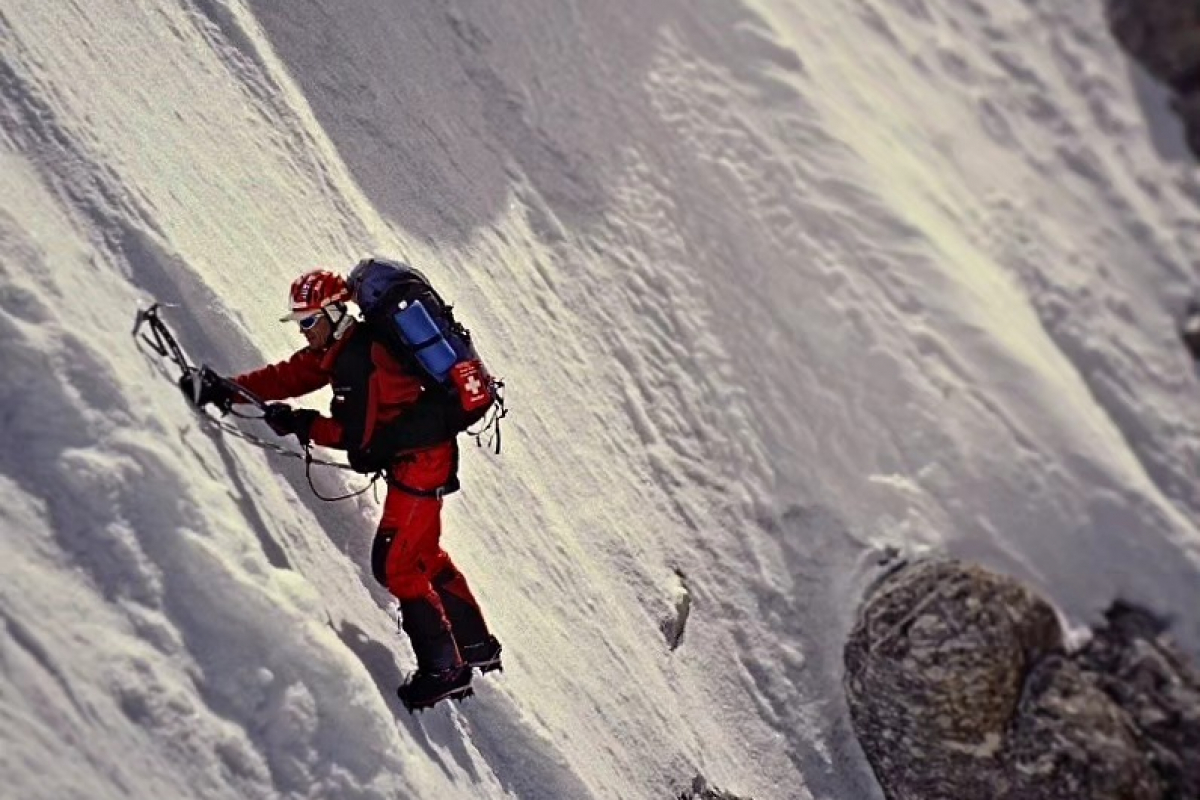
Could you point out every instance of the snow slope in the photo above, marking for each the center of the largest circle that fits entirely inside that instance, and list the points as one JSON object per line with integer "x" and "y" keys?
{"x": 778, "y": 289}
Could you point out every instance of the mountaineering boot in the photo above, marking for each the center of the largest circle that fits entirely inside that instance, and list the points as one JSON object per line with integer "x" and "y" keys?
{"x": 426, "y": 689}
{"x": 441, "y": 673}
{"x": 484, "y": 656}
{"x": 477, "y": 646}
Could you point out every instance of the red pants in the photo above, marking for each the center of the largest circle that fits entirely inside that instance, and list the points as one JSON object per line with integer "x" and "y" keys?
{"x": 414, "y": 555}
{"x": 440, "y": 613}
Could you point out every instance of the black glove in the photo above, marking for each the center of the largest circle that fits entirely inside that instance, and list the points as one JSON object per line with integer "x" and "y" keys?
{"x": 285, "y": 420}
{"x": 368, "y": 461}
{"x": 201, "y": 386}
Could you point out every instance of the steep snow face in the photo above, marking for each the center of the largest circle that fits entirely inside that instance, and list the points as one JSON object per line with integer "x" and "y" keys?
{"x": 776, "y": 288}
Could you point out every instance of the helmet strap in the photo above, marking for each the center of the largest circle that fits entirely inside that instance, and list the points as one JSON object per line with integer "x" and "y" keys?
{"x": 338, "y": 318}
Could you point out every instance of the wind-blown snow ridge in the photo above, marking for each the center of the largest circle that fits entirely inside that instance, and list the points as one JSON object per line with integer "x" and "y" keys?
{"x": 779, "y": 292}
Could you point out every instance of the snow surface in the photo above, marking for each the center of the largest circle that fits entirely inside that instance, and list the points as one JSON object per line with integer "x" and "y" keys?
{"x": 778, "y": 288}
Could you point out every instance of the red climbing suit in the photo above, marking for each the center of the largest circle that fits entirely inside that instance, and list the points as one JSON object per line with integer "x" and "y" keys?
{"x": 371, "y": 388}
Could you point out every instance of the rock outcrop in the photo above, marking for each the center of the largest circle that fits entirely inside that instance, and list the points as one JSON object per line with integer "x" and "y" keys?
{"x": 959, "y": 685}
{"x": 1164, "y": 37}
{"x": 702, "y": 791}
{"x": 1134, "y": 662}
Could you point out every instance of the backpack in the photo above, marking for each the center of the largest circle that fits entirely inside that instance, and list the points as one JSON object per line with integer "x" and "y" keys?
{"x": 404, "y": 312}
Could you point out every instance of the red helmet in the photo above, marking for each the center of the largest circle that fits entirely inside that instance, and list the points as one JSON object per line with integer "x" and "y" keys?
{"x": 312, "y": 291}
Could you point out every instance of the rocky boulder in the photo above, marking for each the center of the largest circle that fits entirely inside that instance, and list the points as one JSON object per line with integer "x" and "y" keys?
{"x": 959, "y": 685}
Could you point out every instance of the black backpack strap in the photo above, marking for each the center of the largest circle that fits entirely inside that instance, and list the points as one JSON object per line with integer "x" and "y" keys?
{"x": 351, "y": 382}
{"x": 491, "y": 420}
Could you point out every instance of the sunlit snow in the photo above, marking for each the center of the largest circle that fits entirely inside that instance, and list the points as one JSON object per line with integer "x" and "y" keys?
{"x": 779, "y": 289}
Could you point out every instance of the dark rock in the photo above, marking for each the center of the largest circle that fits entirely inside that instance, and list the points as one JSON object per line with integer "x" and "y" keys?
{"x": 1162, "y": 35}
{"x": 1189, "y": 326}
{"x": 1069, "y": 740}
{"x": 673, "y": 626}
{"x": 1136, "y": 664}
{"x": 959, "y": 686}
{"x": 702, "y": 791}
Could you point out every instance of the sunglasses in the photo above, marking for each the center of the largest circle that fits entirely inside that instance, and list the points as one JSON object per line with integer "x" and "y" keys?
{"x": 308, "y": 323}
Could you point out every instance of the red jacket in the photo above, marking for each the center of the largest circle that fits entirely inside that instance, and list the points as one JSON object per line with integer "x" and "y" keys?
{"x": 390, "y": 388}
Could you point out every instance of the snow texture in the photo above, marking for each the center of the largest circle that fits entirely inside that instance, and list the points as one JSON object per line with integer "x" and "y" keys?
{"x": 779, "y": 289}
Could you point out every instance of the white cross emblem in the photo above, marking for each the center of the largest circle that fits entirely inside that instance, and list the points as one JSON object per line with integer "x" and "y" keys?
{"x": 473, "y": 386}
